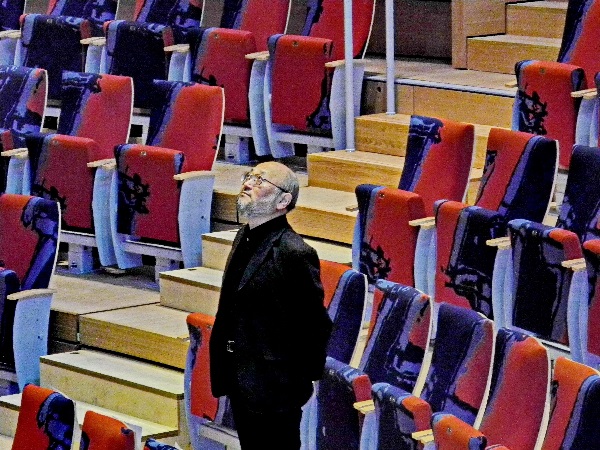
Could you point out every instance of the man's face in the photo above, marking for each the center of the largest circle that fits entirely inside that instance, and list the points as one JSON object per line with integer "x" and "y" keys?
{"x": 256, "y": 200}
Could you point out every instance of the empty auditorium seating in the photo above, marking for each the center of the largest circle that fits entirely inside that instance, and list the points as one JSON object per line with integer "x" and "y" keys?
{"x": 46, "y": 420}
{"x": 28, "y": 250}
{"x": 23, "y": 95}
{"x": 102, "y": 432}
{"x": 517, "y": 409}
{"x": 543, "y": 104}
{"x": 95, "y": 116}
{"x": 162, "y": 192}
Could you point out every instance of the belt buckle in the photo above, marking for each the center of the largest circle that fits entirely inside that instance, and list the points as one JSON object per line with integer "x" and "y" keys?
{"x": 230, "y": 346}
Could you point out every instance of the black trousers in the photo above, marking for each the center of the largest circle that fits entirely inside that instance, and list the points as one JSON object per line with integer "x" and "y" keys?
{"x": 266, "y": 430}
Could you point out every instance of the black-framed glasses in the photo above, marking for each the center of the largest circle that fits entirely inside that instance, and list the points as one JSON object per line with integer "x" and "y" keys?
{"x": 257, "y": 180}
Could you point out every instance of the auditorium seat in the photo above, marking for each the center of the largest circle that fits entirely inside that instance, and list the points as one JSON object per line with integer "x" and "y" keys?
{"x": 394, "y": 352}
{"x": 543, "y": 103}
{"x": 100, "y": 432}
{"x": 312, "y": 111}
{"x": 456, "y": 383}
{"x": 518, "y": 404}
{"x": 52, "y": 41}
{"x": 136, "y": 48}
{"x": 217, "y": 57}
{"x": 160, "y": 193}
{"x": 153, "y": 444}
{"x": 517, "y": 182}
{"x": 23, "y": 95}
{"x": 28, "y": 250}
{"x": 94, "y": 117}
{"x": 46, "y": 420}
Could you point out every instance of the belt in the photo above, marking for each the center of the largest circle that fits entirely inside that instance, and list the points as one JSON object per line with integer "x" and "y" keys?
{"x": 230, "y": 346}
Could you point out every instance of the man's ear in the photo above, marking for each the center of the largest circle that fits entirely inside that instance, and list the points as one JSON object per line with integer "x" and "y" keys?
{"x": 284, "y": 201}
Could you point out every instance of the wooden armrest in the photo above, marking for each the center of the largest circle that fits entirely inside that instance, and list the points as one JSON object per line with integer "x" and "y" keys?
{"x": 364, "y": 407}
{"x": 10, "y": 34}
{"x": 14, "y": 152}
{"x": 109, "y": 163}
{"x": 30, "y": 293}
{"x": 178, "y": 48}
{"x": 590, "y": 96}
{"x": 193, "y": 174}
{"x": 98, "y": 41}
{"x": 341, "y": 62}
{"x": 418, "y": 435}
{"x": 352, "y": 208}
{"x": 511, "y": 84}
{"x": 425, "y": 222}
{"x": 573, "y": 263}
{"x": 258, "y": 56}
{"x": 583, "y": 92}
{"x": 501, "y": 242}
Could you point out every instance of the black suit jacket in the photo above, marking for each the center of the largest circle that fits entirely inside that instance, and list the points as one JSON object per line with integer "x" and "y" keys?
{"x": 279, "y": 325}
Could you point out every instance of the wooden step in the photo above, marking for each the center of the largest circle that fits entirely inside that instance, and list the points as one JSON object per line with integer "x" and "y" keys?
{"x": 540, "y": 19}
{"x": 319, "y": 213}
{"x": 11, "y": 404}
{"x": 192, "y": 290}
{"x": 119, "y": 384}
{"x": 80, "y": 295}
{"x": 343, "y": 171}
{"x": 500, "y": 53}
{"x": 6, "y": 442}
{"x": 216, "y": 247}
{"x": 151, "y": 332}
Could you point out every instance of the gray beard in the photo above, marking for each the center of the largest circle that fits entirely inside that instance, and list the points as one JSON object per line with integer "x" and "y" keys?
{"x": 257, "y": 208}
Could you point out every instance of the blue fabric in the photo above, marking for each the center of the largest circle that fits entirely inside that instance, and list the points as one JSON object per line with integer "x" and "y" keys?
{"x": 365, "y": 258}
{"x": 584, "y": 427}
{"x": 9, "y": 284}
{"x": 10, "y": 11}
{"x": 182, "y": 16}
{"x": 576, "y": 12}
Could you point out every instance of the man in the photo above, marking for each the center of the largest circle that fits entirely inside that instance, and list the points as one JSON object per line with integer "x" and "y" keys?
{"x": 271, "y": 329}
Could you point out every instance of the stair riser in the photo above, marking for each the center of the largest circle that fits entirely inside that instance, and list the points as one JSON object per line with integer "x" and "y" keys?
{"x": 8, "y": 421}
{"x": 540, "y": 22}
{"x": 112, "y": 395}
{"x": 191, "y": 298}
{"x": 133, "y": 342}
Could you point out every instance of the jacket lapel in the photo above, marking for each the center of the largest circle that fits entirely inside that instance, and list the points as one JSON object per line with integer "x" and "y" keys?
{"x": 259, "y": 256}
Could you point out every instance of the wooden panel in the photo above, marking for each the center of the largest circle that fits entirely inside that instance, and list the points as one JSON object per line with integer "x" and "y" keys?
{"x": 154, "y": 333}
{"x": 57, "y": 346}
{"x": 374, "y": 99}
{"x": 343, "y": 171}
{"x": 126, "y": 386}
{"x": 64, "y": 326}
{"x": 482, "y": 108}
{"x": 191, "y": 290}
{"x": 9, "y": 412}
{"x": 6, "y": 442}
{"x": 500, "y": 53}
{"x": 542, "y": 19}
{"x": 381, "y": 133}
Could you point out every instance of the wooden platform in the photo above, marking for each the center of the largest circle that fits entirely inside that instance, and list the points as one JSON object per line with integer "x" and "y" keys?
{"x": 192, "y": 290}
{"x": 536, "y": 18}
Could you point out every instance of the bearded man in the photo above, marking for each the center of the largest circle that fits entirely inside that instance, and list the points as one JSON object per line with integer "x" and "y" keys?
{"x": 271, "y": 330}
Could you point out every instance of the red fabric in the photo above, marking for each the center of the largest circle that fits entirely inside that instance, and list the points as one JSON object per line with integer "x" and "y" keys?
{"x": 203, "y": 404}
{"x": 331, "y": 25}
{"x": 585, "y": 53}
{"x": 515, "y": 416}
{"x": 451, "y": 433}
{"x": 107, "y": 433}
{"x": 6, "y": 140}
{"x": 298, "y": 75}
{"x": 419, "y": 410}
{"x": 224, "y": 59}
{"x": 554, "y": 82}
{"x": 331, "y": 273}
{"x": 509, "y": 146}
{"x": 37, "y": 102}
{"x": 445, "y": 172}
{"x": 594, "y": 307}
{"x": 569, "y": 242}
{"x": 28, "y": 435}
{"x": 66, "y": 170}
{"x": 568, "y": 377}
{"x": 264, "y": 18}
{"x": 17, "y": 243}
{"x": 199, "y": 113}
{"x": 446, "y": 222}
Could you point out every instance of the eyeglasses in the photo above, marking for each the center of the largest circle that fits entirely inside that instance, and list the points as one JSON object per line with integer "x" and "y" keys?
{"x": 257, "y": 180}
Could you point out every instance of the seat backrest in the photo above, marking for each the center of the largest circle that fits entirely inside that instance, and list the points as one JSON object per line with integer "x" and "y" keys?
{"x": 94, "y": 11}
{"x": 187, "y": 117}
{"x": 325, "y": 19}
{"x": 46, "y": 420}
{"x": 10, "y": 12}
{"x": 519, "y": 174}
{"x": 591, "y": 350}
{"x": 97, "y": 107}
{"x": 451, "y": 433}
{"x": 541, "y": 284}
{"x": 100, "y": 432}
{"x": 345, "y": 308}
{"x": 181, "y": 15}
{"x": 23, "y": 95}
{"x": 516, "y": 414}
{"x": 457, "y": 379}
{"x": 580, "y": 37}
{"x": 29, "y": 238}
{"x": 438, "y": 159}
{"x": 465, "y": 263}
{"x": 580, "y": 209}
{"x": 575, "y": 395}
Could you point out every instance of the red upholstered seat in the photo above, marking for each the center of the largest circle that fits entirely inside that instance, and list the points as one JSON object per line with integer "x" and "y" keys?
{"x": 100, "y": 432}
{"x": 331, "y": 273}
